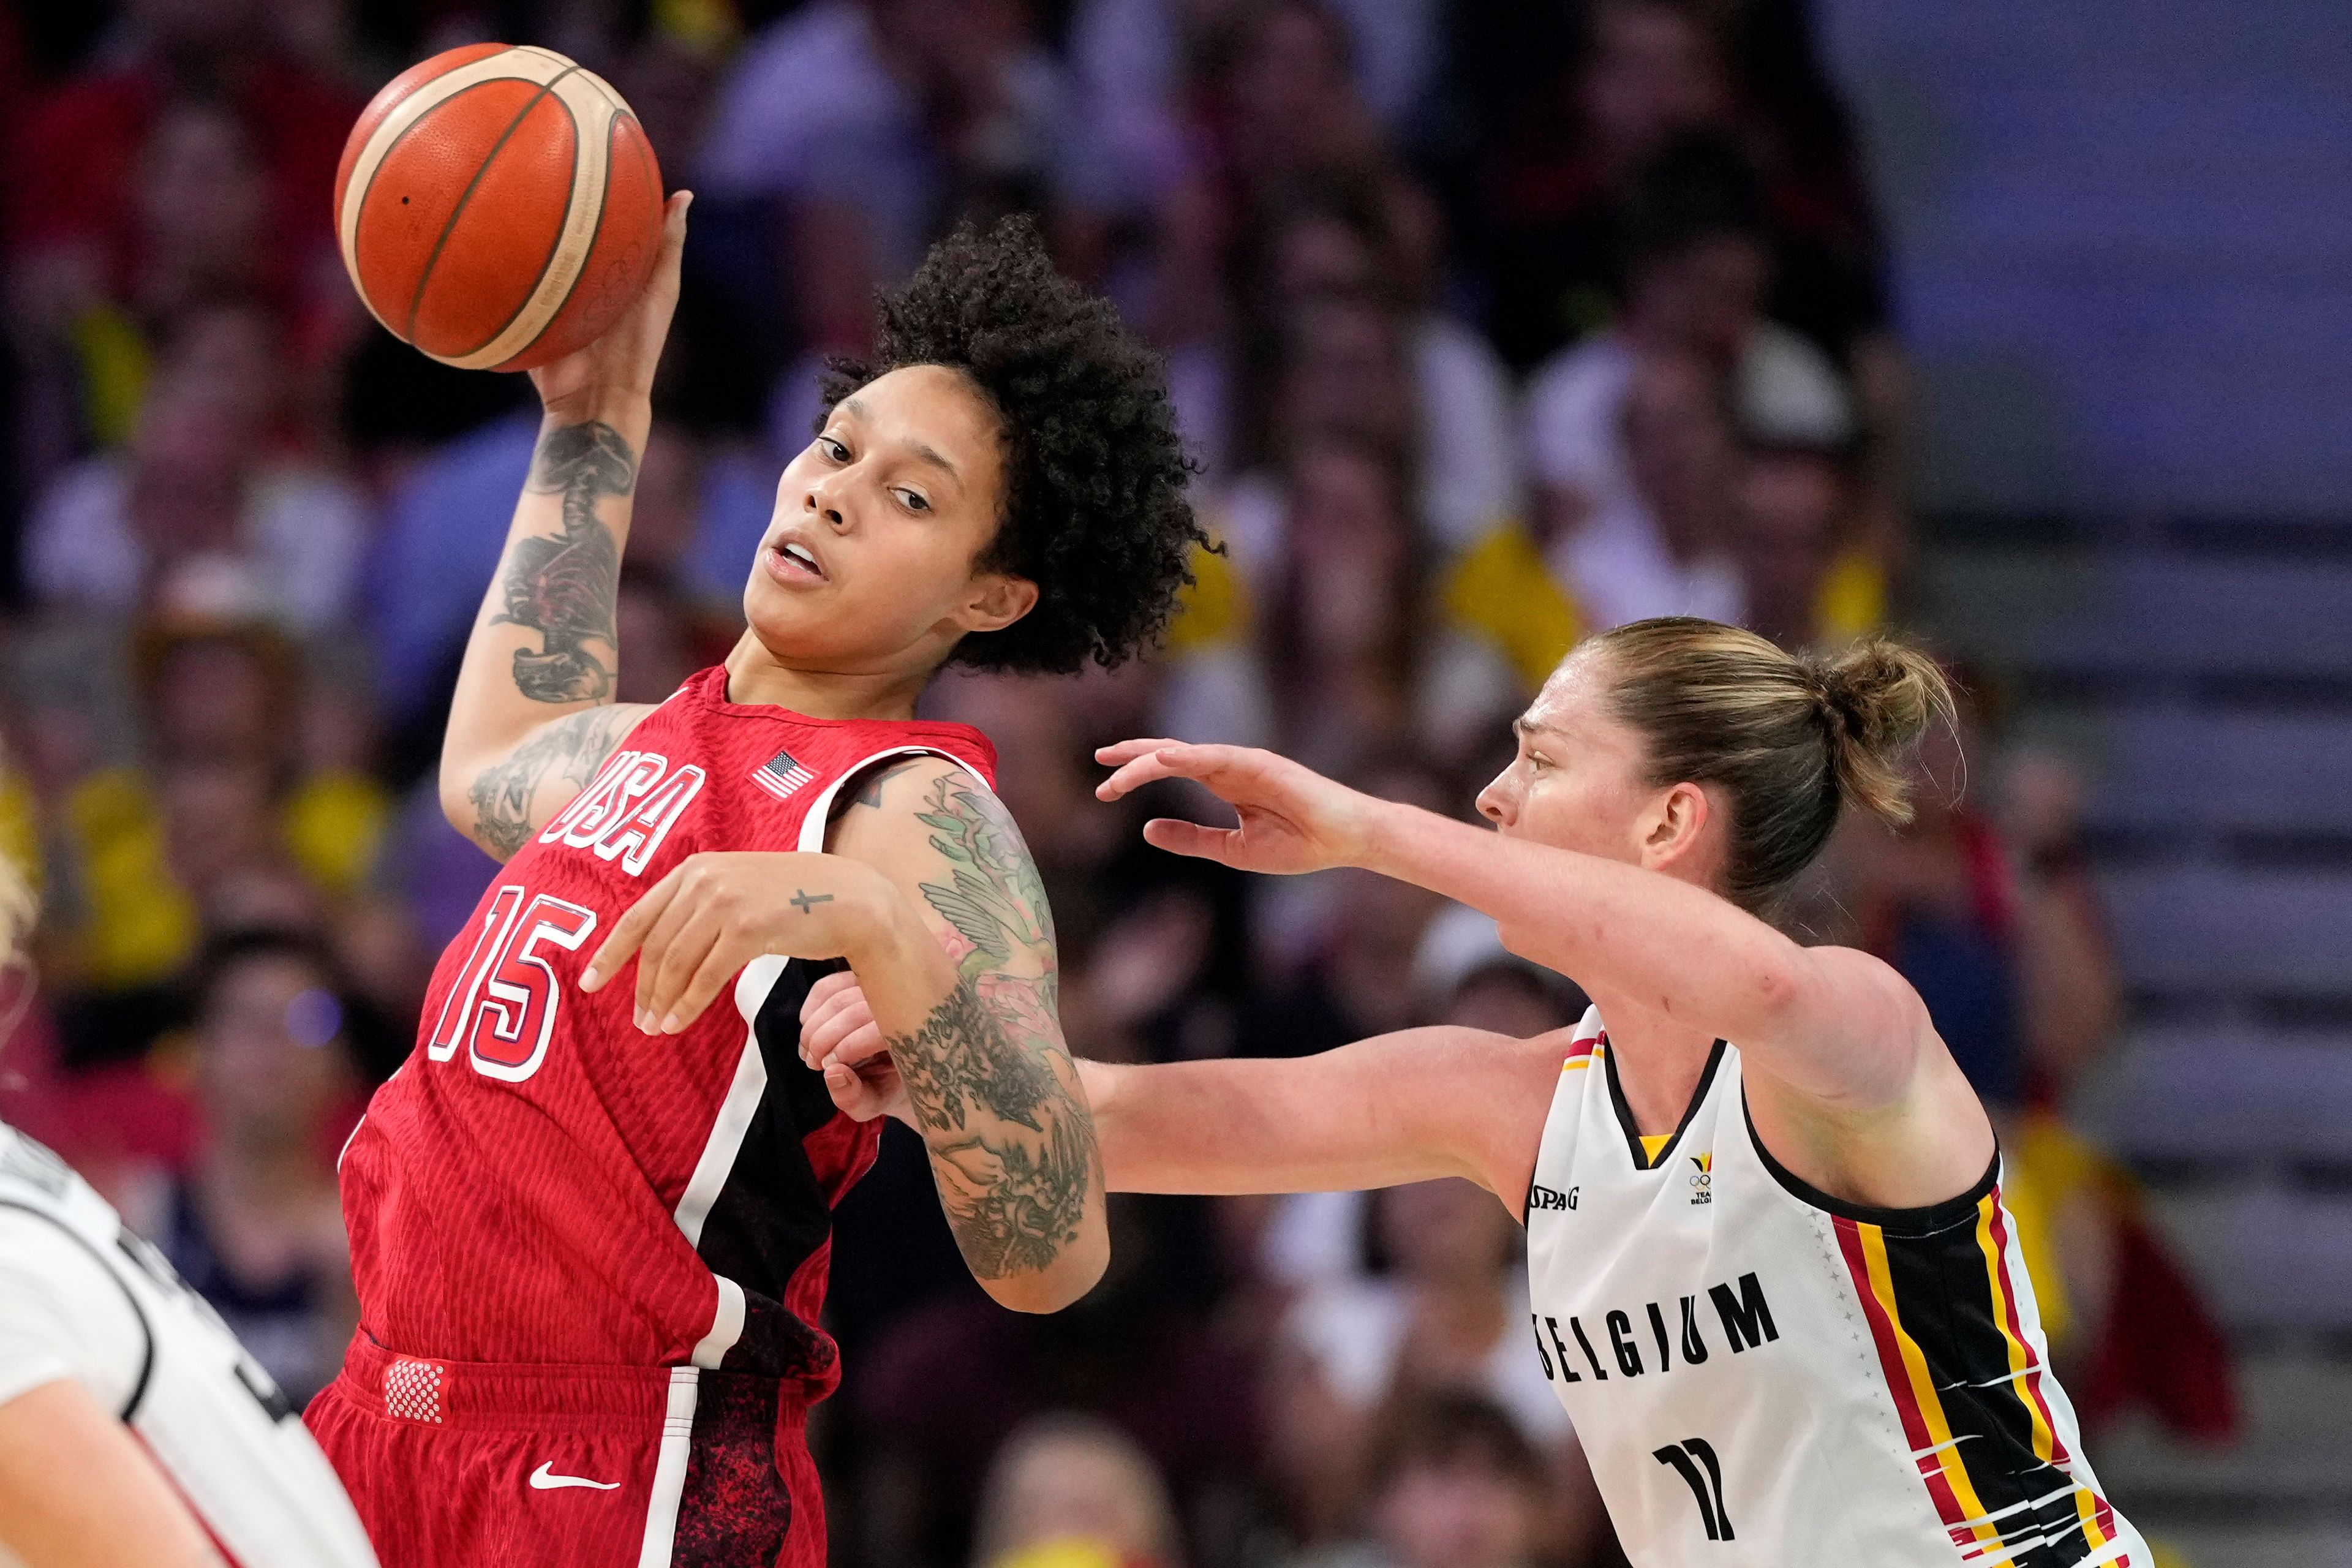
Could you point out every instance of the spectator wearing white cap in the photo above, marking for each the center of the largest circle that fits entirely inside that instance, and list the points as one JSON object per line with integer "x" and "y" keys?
{"x": 1636, "y": 440}
{"x": 1632, "y": 435}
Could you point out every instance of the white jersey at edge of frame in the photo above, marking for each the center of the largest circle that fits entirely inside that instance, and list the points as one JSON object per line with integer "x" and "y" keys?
{"x": 83, "y": 1296}
{"x": 1765, "y": 1376}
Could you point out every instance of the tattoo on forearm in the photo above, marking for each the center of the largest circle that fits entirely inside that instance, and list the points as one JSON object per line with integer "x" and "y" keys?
{"x": 1014, "y": 1183}
{"x": 1013, "y": 1143}
{"x": 573, "y": 747}
{"x": 806, "y": 901}
{"x": 564, "y": 585}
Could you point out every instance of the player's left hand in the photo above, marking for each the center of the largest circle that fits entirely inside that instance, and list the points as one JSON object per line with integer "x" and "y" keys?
{"x": 696, "y": 928}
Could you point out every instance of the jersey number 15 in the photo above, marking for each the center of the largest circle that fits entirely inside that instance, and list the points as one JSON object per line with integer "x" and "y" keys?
{"x": 502, "y": 1007}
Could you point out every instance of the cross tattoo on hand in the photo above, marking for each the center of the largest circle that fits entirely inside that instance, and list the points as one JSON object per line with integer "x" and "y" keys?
{"x": 807, "y": 902}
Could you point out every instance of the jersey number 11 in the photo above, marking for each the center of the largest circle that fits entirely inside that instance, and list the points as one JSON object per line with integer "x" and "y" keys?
{"x": 1707, "y": 1490}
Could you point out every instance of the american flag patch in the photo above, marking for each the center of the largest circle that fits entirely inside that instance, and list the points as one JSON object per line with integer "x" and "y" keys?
{"x": 781, "y": 775}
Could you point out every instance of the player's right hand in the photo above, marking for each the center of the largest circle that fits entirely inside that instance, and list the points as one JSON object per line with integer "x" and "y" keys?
{"x": 1293, "y": 819}
{"x": 621, "y": 364}
{"x": 840, "y": 1039}
{"x": 717, "y": 911}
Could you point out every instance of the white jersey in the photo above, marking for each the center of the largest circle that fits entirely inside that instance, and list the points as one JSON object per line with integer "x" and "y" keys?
{"x": 83, "y": 1298}
{"x": 1766, "y": 1377}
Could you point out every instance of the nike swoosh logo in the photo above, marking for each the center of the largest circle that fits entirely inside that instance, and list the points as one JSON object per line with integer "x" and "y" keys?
{"x": 544, "y": 1480}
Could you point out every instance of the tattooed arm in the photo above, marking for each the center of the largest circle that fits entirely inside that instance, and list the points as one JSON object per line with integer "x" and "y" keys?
{"x": 992, "y": 1088}
{"x": 533, "y": 716}
{"x": 516, "y": 795}
{"x": 931, "y": 896}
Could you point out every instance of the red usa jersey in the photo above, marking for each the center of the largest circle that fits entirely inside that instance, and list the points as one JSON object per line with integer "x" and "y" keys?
{"x": 542, "y": 1182}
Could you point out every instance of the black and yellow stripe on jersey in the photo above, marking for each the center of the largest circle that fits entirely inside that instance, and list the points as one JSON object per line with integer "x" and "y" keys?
{"x": 1937, "y": 1290}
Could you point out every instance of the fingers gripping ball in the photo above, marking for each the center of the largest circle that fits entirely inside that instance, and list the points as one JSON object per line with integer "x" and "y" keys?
{"x": 497, "y": 207}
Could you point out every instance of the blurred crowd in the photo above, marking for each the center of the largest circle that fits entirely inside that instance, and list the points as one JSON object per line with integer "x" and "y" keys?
{"x": 1490, "y": 324}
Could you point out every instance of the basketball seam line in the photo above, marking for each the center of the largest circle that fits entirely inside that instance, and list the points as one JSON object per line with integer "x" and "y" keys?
{"x": 598, "y": 84}
{"x": 417, "y": 303}
{"x": 377, "y": 173}
{"x": 554, "y": 245}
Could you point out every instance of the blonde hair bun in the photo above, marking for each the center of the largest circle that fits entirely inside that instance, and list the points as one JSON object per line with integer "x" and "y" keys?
{"x": 1880, "y": 696}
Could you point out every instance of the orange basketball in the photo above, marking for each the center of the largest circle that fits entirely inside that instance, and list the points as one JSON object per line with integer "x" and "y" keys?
{"x": 497, "y": 207}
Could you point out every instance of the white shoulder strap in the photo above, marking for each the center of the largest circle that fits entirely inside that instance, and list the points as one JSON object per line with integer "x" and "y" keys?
{"x": 819, "y": 812}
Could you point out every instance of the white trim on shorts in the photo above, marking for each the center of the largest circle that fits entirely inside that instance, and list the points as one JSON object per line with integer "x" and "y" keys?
{"x": 669, "y": 1469}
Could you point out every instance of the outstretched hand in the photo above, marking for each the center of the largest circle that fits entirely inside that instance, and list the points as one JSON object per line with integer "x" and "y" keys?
{"x": 1292, "y": 818}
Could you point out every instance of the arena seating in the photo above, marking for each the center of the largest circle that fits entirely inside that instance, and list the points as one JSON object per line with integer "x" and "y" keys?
{"x": 2201, "y": 677}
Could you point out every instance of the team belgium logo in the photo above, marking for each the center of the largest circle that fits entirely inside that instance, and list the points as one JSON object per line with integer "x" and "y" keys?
{"x": 1702, "y": 1178}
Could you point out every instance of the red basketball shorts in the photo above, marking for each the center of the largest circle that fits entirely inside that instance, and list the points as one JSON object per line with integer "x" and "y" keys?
{"x": 473, "y": 1465}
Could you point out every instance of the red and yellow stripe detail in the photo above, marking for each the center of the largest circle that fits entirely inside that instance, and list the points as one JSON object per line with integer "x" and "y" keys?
{"x": 1916, "y": 1400}
{"x": 1584, "y": 1052}
{"x": 1926, "y": 1423}
{"x": 1992, "y": 1240}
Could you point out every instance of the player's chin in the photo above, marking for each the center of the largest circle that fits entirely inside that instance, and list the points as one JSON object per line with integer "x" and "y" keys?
{"x": 787, "y": 630}
{"x": 799, "y": 628}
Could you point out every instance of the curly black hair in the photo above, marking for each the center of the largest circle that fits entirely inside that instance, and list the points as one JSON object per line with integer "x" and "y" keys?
{"x": 1095, "y": 511}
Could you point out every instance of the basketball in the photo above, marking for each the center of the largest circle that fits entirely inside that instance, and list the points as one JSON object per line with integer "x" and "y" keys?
{"x": 497, "y": 207}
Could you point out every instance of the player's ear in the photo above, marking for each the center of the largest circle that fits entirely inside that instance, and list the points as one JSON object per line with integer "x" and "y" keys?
{"x": 996, "y": 600}
{"x": 1669, "y": 829}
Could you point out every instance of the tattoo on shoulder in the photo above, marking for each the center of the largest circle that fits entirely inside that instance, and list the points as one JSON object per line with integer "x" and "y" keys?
{"x": 572, "y": 748}
{"x": 869, "y": 788}
{"x": 993, "y": 895}
{"x": 563, "y": 585}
